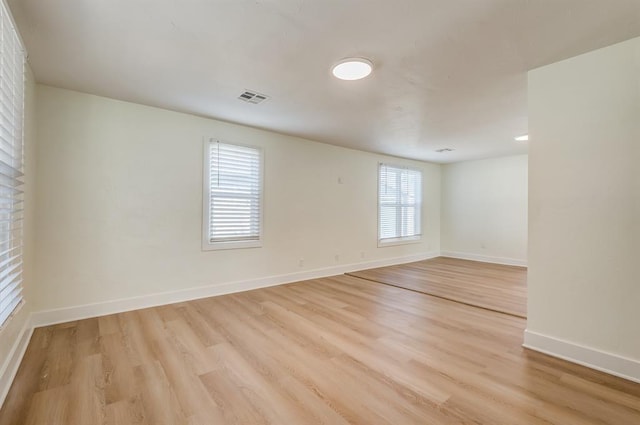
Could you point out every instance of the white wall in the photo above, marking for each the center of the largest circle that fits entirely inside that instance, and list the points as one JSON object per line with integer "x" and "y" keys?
{"x": 120, "y": 203}
{"x": 484, "y": 210}
{"x": 12, "y": 332}
{"x": 584, "y": 207}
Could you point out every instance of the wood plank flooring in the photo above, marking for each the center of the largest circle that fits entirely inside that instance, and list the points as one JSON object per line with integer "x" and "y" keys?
{"x": 337, "y": 351}
{"x": 490, "y": 286}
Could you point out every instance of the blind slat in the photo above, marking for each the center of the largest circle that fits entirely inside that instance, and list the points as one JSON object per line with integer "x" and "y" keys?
{"x": 399, "y": 202}
{"x": 11, "y": 164}
{"x": 9, "y": 304}
{"x": 9, "y": 282}
{"x": 8, "y": 263}
{"x": 235, "y": 198}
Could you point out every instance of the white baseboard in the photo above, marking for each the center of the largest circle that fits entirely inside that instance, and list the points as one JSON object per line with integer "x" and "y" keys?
{"x": 485, "y": 258}
{"x": 612, "y": 364}
{"x": 68, "y": 314}
{"x": 12, "y": 363}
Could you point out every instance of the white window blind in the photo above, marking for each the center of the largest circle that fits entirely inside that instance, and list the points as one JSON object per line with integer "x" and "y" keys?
{"x": 399, "y": 203}
{"x": 234, "y": 210}
{"x": 11, "y": 116}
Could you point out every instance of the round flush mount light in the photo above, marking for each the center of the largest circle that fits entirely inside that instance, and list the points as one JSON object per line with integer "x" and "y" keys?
{"x": 352, "y": 69}
{"x": 523, "y": 138}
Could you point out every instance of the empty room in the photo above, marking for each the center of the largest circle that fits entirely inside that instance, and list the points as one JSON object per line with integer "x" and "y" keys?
{"x": 303, "y": 212}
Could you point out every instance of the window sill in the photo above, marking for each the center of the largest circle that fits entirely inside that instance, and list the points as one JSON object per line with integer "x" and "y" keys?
{"x": 399, "y": 241}
{"x": 207, "y": 246}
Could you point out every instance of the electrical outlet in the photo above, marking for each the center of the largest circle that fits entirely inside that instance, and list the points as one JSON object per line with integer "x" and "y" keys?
{"x": 337, "y": 257}
{"x": 361, "y": 254}
{"x": 301, "y": 262}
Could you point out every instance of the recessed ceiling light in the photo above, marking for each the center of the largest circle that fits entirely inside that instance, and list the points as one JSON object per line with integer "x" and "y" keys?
{"x": 522, "y": 138}
{"x": 352, "y": 69}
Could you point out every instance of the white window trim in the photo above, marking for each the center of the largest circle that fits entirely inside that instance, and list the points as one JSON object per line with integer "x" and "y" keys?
{"x": 401, "y": 240}
{"x": 206, "y": 244}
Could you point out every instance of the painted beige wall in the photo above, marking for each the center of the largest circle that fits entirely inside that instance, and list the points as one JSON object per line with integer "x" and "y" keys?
{"x": 484, "y": 209}
{"x": 120, "y": 203}
{"x": 584, "y": 204}
{"x": 11, "y": 330}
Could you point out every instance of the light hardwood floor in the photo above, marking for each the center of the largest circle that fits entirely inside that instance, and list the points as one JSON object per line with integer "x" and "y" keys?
{"x": 334, "y": 351}
{"x": 490, "y": 286}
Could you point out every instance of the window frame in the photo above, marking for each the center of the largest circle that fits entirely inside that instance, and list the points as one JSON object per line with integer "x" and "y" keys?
{"x": 207, "y": 245}
{"x": 400, "y": 240}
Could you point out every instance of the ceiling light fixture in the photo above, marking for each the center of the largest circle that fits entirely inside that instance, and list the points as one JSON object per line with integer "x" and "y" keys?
{"x": 352, "y": 69}
{"x": 523, "y": 138}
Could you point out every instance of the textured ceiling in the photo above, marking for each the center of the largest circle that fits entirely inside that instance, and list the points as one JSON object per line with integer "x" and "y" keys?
{"x": 447, "y": 73}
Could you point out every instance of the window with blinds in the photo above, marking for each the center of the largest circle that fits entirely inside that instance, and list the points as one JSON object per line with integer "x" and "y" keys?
{"x": 11, "y": 116}
{"x": 399, "y": 204}
{"x": 233, "y": 198}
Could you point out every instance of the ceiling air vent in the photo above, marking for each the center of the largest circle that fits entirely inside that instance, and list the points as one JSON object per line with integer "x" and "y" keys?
{"x": 443, "y": 150}
{"x": 253, "y": 97}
